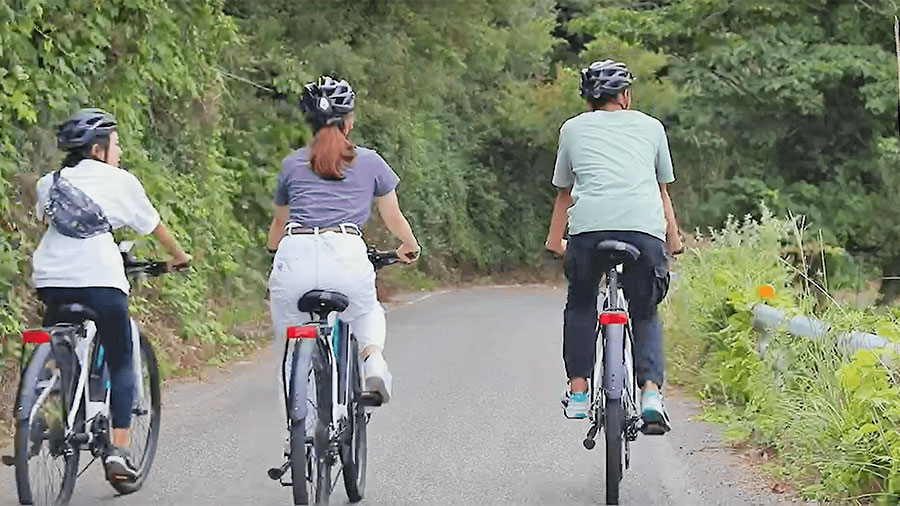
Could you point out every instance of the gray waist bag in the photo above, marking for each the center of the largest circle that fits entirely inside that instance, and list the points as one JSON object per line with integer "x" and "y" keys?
{"x": 72, "y": 212}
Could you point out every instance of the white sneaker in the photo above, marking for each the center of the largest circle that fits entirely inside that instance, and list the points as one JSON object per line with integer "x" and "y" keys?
{"x": 378, "y": 378}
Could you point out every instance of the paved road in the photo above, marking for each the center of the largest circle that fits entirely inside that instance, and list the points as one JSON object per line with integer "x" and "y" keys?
{"x": 475, "y": 420}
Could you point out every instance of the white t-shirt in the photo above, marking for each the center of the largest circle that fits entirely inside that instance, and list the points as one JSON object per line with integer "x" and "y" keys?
{"x": 67, "y": 262}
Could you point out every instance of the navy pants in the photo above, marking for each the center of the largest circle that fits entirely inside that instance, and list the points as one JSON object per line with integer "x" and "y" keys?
{"x": 113, "y": 332}
{"x": 645, "y": 284}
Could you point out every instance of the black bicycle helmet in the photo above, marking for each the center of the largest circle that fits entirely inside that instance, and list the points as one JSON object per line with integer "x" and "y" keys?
{"x": 85, "y": 128}
{"x": 326, "y": 101}
{"x": 605, "y": 78}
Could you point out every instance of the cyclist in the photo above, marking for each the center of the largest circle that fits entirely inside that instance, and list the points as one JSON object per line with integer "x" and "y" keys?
{"x": 612, "y": 168}
{"x": 78, "y": 261}
{"x": 323, "y": 197}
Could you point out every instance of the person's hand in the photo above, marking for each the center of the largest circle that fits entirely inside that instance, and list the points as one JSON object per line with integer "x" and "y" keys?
{"x": 674, "y": 245}
{"x": 181, "y": 261}
{"x": 408, "y": 253}
{"x": 558, "y": 249}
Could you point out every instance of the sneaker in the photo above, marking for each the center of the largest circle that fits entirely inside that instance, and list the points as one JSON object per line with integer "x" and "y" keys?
{"x": 575, "y": 405}
{"x": 656, "y": 421}
{"x": 378, "y": 378}
{"x": 118, "y": 465}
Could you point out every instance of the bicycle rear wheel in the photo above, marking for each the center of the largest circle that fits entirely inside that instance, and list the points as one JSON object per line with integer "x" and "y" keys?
{"x": 299, "y": 461}
{"x": 614, "y": 428}
{"x": 145, "y": 422}
{"x": 323, "y": 456}
{"x": 46, "y": 463}
{"x": 354, "y": 447}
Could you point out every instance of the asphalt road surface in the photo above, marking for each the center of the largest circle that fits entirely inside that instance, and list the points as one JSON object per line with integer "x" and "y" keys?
{"x": 475, "y": 419}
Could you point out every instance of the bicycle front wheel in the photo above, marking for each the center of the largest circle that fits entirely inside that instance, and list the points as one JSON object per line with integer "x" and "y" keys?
{"x": 46, "y": 463}
{"x": 614, "y": 428}
{"x": 145, "y": 421}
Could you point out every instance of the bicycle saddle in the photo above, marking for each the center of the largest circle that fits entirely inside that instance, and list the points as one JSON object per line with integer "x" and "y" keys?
{"x": 73, "y": 313}
{"x": 322, "y": 302}
{"x": 619, "y": 252}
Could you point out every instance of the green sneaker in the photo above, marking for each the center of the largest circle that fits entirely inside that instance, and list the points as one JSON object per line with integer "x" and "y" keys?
{"x": 575, "y": 405}
{"x": 656, "y": 421}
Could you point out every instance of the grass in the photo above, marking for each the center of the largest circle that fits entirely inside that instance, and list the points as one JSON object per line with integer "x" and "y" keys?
{"x": 830, "y": 418}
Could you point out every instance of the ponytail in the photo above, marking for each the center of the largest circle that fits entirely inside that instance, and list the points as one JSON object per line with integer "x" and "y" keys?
{"x": 330, "y": 152}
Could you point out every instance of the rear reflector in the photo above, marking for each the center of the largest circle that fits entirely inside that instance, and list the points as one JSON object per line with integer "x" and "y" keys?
{"x": 304, "y": 332}
{"x": 613, "y": 318}
{"x": 35, "y": 337}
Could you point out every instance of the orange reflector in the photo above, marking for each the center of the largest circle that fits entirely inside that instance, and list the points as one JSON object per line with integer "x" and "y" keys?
{"x": 35, "y": 337}
{"x": 766, "y": 291}
{"x": 613, "y": 318}
{"x": 302, "y": 332}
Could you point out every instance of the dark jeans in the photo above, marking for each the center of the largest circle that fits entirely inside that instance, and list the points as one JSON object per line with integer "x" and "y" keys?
{"x": 113, "y": 332}
{"x": 645, "y": 284}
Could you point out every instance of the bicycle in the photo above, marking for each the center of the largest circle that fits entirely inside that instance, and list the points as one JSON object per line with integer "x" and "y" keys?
{"x": 615, "y": 400}
{"x": 325, "y": 401}
{"x": 62, "y": 406}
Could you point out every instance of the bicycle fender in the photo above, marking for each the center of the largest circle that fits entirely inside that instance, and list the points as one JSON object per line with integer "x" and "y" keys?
{"x": 301, "y": 362}
{"x": 614, "y": 361}
{"x": 28, "y": 394}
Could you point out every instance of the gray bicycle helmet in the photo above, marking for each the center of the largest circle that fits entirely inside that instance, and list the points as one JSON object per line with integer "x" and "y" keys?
{"x": 85, "y": 128}
{"x": 605, "y": 78}
{"x": 326, "y": 101}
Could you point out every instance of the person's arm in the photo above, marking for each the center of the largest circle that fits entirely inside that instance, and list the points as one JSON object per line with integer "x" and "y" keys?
{"x": 555, "y": 241}
{"x": 564, "y": 181}
{"x": 179, "y": 257}
{"x": 673, "y": 232}
{"x": 276, "y": 229}
{"x": 389, "y": 209}
{"x": 144, "y": 219}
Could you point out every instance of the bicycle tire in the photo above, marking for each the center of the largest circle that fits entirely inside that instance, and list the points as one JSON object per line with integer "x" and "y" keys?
{"x": 299, "y": 462}
{"x": 37, "y": 368}
{"x": 614, "y": 427}
{"x": 354, "y": 449}
{"x": 148, "y": 360}
{"x": 321, "y": 439}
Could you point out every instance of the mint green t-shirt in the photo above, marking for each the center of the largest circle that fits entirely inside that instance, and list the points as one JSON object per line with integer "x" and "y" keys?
{"x": 614, "y": 162}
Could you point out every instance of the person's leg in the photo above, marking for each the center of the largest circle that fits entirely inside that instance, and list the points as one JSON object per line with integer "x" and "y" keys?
{"x": 293, "y": 274}
{"x": 352, "y": 274}
{"x": 645, "y": 284}
{"x": 580, "y": 318}
{"x": 115, "y": 334}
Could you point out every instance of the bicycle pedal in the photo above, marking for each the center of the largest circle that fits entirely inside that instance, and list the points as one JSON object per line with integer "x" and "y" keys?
{"x": 275, "y": 473}
{"x": 654, "y": 429}
{"x": 370, "y": 399}
{"x": 8, "y": 460}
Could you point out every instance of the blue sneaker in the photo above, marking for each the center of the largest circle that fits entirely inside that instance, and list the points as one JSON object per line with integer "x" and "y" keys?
{"x": 656, "y": 421}
{"x": 575, "y": 405}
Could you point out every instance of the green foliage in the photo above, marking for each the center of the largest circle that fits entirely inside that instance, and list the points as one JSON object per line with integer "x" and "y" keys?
{"x": 790, "y": 103}
{"x": 154, "y": 65}
{"x": 831, "y": 419}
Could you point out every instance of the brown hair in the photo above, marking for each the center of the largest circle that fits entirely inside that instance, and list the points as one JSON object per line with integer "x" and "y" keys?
{"x": 330, "y": 152}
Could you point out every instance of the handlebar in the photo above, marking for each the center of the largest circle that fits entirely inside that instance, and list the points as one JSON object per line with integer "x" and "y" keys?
{"x": 151, "y": 269}
{"x": 381, "y": 259}
{"x": 137, "y": 269}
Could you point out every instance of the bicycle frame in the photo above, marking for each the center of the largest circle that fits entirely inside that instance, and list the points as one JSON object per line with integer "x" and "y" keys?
{"x": 81, "y": 338}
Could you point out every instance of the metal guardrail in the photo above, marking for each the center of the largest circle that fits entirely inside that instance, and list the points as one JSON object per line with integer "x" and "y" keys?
{"x": 767, "y": 318}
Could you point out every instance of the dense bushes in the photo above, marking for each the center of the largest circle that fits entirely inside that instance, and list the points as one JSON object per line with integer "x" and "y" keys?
{"x": 832, "y": 419}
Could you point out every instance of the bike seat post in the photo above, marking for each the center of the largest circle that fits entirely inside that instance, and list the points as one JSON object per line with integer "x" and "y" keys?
{"x": 612, "y": 281}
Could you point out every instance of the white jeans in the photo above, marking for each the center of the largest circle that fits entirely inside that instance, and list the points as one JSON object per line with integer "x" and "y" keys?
{"x": 327, "y": 261}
